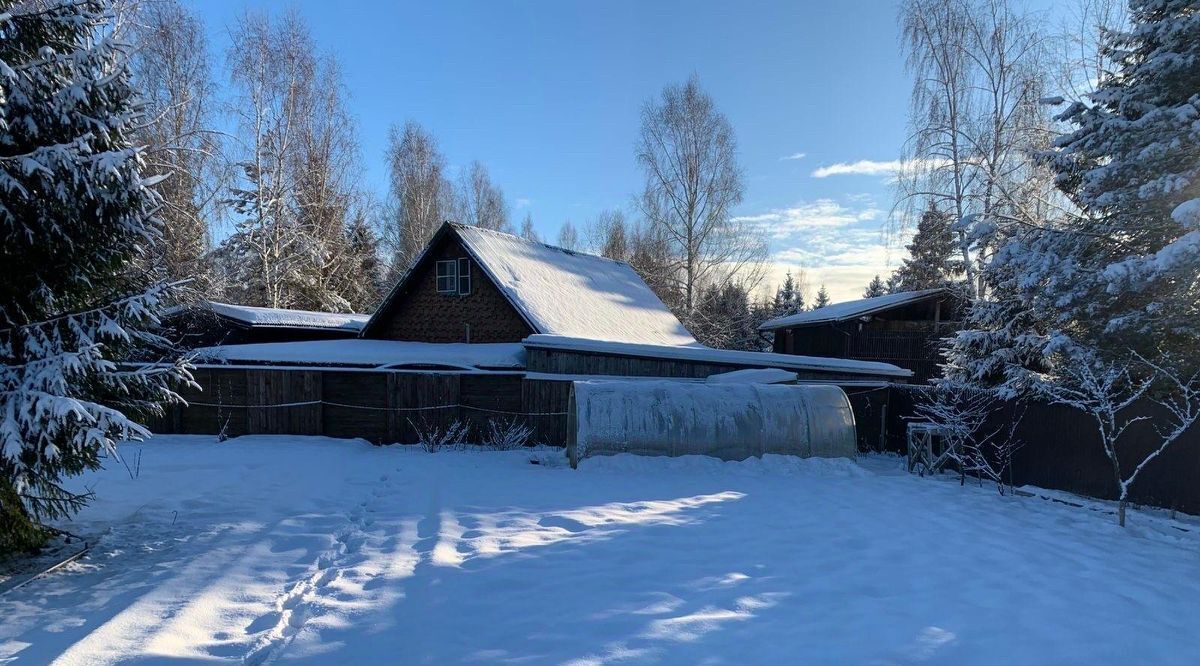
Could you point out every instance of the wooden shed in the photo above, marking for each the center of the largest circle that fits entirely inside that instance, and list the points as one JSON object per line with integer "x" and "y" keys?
{"x": 904, "y": 329}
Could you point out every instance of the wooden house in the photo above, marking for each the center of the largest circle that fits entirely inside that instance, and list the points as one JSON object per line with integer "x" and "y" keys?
{"x": 475, "y": 285}
{"x": 904, "y": 329}
{"x": 484, "y": 325}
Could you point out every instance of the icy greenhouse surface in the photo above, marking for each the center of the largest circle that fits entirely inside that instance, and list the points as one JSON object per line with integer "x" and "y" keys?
{"x": 321, "y": 551}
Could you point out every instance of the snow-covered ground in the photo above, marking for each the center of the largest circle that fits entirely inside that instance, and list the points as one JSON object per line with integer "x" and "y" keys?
{"x": 330, "y": 551}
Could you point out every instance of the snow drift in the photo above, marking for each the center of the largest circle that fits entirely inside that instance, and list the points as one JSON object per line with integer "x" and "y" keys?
{"x": 731, "y": 421}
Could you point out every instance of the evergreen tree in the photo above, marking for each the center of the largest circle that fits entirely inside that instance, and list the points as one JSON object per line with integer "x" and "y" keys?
{"x": 1120, "y": 274}
{"x": 931, "y": 262}
{"x": 875, "y": 288}
{"x": 360, "y": 268}
{"x": 75, "y": 223}
{"x": 723, "y": 319}
{"x": 788, "y": 299}
{"x": 822, "y": 298}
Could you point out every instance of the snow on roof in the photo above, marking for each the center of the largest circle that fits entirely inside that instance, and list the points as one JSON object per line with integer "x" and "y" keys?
{"x": 373, "y": 353}
{"x": 708, "y": 354}
{"x": 256, "y": 316}
{"x": 849, "y": 309}
{"x": 567, "y": 293}
{"x": 754, "y": 376}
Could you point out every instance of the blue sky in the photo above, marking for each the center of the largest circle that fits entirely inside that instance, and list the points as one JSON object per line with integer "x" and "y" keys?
{"x": 548, "y": 95}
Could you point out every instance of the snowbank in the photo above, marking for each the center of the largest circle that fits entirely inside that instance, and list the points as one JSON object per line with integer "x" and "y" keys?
{"x": 372, "y": 353}
{"x": 317, "y": 551}
{"x": 754, "y": 376}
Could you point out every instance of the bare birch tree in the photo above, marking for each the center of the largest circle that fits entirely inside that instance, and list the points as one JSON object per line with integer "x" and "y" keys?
{"x": 609, "y": 235}
{"x": 299, "y": 164}
{"x": 568, "y": 236}
{"x": 480, "y": 201}
{"x": 527, "y": 230}
{"x": 975, "y": 119}
{"x": 170, "y": 62}
{"x": 421, "y": 196}
{"x": 688, "y": 154}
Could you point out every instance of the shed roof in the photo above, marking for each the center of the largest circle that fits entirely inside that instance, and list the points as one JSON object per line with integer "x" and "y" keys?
{"x": 372, "y": 354}
{"x": 700, "y": 353}
{"x": 568, "y": 293}
{"x": 852, "y": 309}
{"x": 253, "y": 316}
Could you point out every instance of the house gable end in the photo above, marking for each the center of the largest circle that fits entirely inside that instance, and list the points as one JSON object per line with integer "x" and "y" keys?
{"x": 416, "y": 311}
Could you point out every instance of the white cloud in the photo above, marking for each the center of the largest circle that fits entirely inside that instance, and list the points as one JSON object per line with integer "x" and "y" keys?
{"x": 784, "y": 222}
{"x": 522, "y": 202}
{"x": 793, "y": 156}
{"x": 843, "y": 256}
{"x": 874, "y": 167}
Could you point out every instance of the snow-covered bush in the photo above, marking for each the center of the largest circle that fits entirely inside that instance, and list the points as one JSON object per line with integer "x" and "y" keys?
{"x": 433, "y": 437}
{"x": 76, "y": 218}
{"x": 964, "y": 416}
{"x": 506, "y": 434}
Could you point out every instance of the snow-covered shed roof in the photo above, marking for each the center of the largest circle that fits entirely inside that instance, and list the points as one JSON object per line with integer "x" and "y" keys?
{"x": 851, "y": 309}
{"x": 568, "y": 293}
{"x": 701, "y": 353}
{"x": 277, "y": 317}
{"x": 377, "y": 354}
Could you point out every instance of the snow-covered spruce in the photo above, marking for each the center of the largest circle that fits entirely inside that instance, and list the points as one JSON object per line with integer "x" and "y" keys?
{"x": 75, "y": 216}
{"x": 1121, "y": 269}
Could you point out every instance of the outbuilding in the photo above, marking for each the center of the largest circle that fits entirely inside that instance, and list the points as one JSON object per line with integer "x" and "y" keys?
{"x": 904, "y": 329}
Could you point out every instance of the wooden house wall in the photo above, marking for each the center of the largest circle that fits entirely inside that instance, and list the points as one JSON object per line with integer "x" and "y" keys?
{"x": 419, "y": 313}
{"x": 554, "y": 361}
{"x": 913, "y": 346}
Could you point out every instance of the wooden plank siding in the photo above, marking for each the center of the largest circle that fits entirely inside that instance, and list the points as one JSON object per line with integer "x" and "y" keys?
{"x": 369, "y": 419}
{"x": 380, "y": 407}
{"x": 546, "y": 403}
{"x": 283, "y": 387}
{"x": 408, "y": 393}
{"x": 560, "y": 362}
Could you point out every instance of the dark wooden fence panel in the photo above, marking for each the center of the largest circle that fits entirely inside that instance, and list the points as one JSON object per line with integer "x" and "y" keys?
{"x": 871, "y": 409}
{"x": 419, "y": 400}
{"x": 1061, "y": 450}
{"x": 266, "y": 389}
{"x": 488, "y": 397}
{"x": 368, "y": 418}
{"x": 215, "y": 407}
{"x": 546, "y": 403}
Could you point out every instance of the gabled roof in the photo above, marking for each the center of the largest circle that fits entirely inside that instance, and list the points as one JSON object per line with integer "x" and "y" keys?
{"x": 852, "y": 309}
{"x": 256, "y": 317}
{"x": 563, "y": 292}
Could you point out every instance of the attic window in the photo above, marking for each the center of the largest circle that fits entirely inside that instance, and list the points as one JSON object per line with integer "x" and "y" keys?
{"x": 454, "y": 276}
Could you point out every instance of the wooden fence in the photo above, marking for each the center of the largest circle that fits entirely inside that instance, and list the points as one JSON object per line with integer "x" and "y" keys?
{"x": 1061, "y": 450}
{"x": 379, "y": 406}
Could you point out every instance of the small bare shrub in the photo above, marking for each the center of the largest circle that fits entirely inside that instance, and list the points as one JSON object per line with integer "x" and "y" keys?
{"x": 506, "y": 435}
{"x": 433, "y": 437}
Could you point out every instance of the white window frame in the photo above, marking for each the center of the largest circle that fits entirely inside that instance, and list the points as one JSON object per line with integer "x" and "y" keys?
{"x": 446, "y": 276}
{"x": 453, "y": 276}
{"x": 464, "y": 276}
